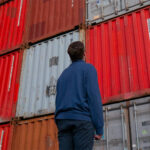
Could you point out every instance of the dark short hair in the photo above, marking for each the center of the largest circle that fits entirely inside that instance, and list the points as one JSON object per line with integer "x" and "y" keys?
{"x": 76, "y": 50}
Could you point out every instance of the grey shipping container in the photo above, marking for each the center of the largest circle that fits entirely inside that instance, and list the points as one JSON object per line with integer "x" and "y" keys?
{"x": 126, "y": 126}
{"x": 140, "y": 126}
{"x": 42, "y": 65}
{"x": 101, "y": 10}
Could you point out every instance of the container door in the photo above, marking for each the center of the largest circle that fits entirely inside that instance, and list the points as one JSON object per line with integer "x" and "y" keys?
{"x": 140, "y": 126}
{"x": 116, "y": 131}
{"x": 100, "y": 10}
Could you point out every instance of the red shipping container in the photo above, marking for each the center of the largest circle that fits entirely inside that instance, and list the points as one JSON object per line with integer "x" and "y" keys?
{"x": 46, "y": 18}
{"x": 10, "y": 67}
{"x": 5, "y": 137}
{"x": 120, "y": 51}
{"x": 12, "y": 18}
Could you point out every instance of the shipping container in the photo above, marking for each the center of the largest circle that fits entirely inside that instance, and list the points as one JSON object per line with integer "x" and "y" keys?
{"x": 120, "y": 51}
{"x": 12, "y": 19}
{"x": 35, "y": 134}
{"x": 126, "y": 126}
{"x": 54, "y": 17}
{"x": 101, "y": 10}
{"x": 42, "y": 65}
{"x": 140, "y": 126}
{"x": 10, "y": 68}
{"x": 5, "y": 131}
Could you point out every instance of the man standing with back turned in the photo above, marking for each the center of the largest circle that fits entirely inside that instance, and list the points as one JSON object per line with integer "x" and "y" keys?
{"x": 78, "y": 103}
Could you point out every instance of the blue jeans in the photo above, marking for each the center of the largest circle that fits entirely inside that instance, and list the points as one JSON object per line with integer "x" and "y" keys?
{"x": 75, "y": 134}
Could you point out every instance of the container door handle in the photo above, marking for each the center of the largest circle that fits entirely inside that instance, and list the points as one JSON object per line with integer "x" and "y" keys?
{"x": 136, "y": 127}
{"x": 107, "y": 138}
{"x": 141, "y": 2}
{"x": 1, "y": 142}
{"x": 115, "y": 6}
{"x": 126, "y": 4}
{"x": 123, "y": 128}
{"x": 102, "y": 9}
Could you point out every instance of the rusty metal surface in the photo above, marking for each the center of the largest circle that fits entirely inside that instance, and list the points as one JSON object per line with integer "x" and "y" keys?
{"x": 10, "y": 67}
{"x": 42, "y": 65}
{"x": 35, "y": 134}
{"x": 53, "y": 18}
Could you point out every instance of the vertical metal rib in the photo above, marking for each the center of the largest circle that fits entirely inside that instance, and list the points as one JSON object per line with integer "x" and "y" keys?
{"x": 106, "y": 119}
{"x": 126, "y": 4}
{"x": 136, "y": 125}
{"x": 1, "y": 142}
{"x": 123, "y": 132}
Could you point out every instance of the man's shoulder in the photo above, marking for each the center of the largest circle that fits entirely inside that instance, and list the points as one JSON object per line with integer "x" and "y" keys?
{"x": 89, "y": 67}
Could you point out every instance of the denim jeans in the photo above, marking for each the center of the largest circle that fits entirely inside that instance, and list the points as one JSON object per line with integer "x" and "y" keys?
{"x": 75, "y": 134}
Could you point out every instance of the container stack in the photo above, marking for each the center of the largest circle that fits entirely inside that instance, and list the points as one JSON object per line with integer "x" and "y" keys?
{"x": 34, "y": 37}
{"x": 118, "y": 45}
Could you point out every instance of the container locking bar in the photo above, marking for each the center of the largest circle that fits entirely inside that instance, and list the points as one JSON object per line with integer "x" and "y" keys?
{"x": 115, "y": 6}
{"x": 136, "y": 127}
{"x": 126, "y": 4}
{"x": 123, "y": 128}
{"x": 141, "y": 2}
{"x": 106, "y": 128}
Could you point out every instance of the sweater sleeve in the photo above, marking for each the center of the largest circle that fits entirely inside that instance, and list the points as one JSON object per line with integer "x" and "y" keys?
{"x": 94, "y": 99}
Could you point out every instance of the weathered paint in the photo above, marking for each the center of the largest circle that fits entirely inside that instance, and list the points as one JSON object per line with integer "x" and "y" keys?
{"x": 140, "y": 126}
{"x": 12, "y": 19}
{"x": 126, "y": 126}
{"x": 120, "y": 51}
{"x": 35, "y": 134}
{"x": 10, "y": 67}
{"x": 42, "y": 65}
{"x": 4, "y": 136}
{"x": 101, "y": 10}
{"x": 116, "y": 129}
{"x": 53, "y": 18}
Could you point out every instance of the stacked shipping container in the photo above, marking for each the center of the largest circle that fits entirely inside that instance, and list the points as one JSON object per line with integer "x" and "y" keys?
{"x": 118, "y": 48}
{"x": 120, "y": 51}
{"x": 12, "y": 19}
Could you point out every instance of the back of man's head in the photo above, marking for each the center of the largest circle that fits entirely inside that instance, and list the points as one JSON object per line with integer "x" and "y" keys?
{"x": 76, "y": 51}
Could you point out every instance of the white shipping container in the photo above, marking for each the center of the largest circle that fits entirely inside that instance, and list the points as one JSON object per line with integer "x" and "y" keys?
{"x": 42, "y": 65}
{"x": 101, "y": 10}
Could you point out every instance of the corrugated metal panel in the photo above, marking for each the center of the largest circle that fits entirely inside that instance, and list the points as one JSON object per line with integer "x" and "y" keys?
{"x": 42, "y": 65}
{"x": 12, "y": 17}
{"x": 53, "y": 18}
{"x": 126, "y": 125}
{"x": 100, "y": 10}
{"x": 140, "y": 126}
{"x": 4, "y": 136}
{"x": 35, "y": 134}
{"x": 120, "y": 51}
{"x": 9, "y": 84}
{"x": 116, "y": 129}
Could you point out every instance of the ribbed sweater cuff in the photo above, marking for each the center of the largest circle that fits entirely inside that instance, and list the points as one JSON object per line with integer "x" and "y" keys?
{"x": 99, "y": 131}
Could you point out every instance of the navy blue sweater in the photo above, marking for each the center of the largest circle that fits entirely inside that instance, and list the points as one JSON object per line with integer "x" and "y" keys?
{"x": 78, "y": 95}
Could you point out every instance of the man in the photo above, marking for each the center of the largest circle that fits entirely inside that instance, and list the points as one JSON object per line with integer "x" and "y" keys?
{"x": 78, "y": 103}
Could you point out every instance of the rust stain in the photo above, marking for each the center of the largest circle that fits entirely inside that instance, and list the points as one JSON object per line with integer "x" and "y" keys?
{"x": 53, "y": 18}
{"x": 39, "y": 134}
